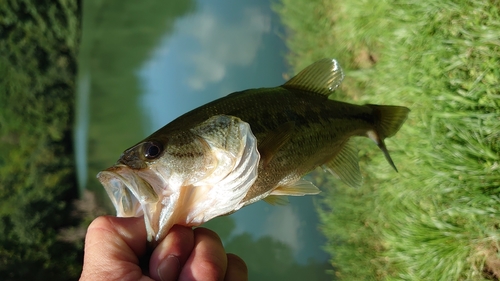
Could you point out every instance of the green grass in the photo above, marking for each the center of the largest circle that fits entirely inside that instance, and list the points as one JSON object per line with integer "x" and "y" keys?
{"x": 439, "y": 218}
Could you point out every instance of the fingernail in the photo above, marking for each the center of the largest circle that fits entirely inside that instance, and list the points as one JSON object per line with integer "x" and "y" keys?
{"x": 169, "y": 268}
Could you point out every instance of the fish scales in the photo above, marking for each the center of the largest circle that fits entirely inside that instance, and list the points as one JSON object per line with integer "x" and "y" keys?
{"x": 247, "y": 146}
{"x": 320, "y": 125}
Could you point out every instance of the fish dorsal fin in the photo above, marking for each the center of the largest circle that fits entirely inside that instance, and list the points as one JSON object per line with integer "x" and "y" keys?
{"x": 323, "y": 77}
{"x": 274, "y": 140}
{"x": 345, "y": 165}
{"x": 299, "y": 188}
{"x": 276, "y": 200}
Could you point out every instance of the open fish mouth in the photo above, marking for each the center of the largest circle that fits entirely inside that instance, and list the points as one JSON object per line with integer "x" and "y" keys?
{"x": 132, "y": 196}
{"x": 127, "y": 191}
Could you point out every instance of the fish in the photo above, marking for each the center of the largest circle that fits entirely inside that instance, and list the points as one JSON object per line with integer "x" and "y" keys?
{"x": 251, "y": 145}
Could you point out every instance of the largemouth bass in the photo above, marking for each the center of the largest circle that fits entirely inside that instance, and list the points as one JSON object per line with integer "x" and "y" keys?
{"x": 250, "y": 145}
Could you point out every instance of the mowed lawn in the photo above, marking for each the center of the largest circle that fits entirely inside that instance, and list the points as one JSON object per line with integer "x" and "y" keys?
{"x": 439, "y": 217}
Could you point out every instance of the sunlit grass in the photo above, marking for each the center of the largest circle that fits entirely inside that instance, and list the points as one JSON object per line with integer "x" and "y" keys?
{"x": 438, "y": 218}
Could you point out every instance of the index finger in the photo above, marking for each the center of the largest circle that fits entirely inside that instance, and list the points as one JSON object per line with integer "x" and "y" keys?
{"x": 171, "y": 254}
{"x": 208, "y": 260}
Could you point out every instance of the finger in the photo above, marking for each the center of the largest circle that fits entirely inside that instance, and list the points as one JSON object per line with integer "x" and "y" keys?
{"x": 112, "y": 247}
{"x": 208, "y": 260}
{"x": 236, "y": 269}
{"x": 172, "y": 253}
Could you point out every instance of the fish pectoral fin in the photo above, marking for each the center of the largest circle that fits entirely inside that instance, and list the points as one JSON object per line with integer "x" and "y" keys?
{"x": 276, "y": 200}
{"x": 345, "y": 165}
{"x": 299, "y": 188}
{"x": 322, "y": 77}
{"x": 274, "y": 140}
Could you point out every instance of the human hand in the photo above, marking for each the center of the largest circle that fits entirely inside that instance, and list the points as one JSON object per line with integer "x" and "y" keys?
{"x": 114, "y": 247}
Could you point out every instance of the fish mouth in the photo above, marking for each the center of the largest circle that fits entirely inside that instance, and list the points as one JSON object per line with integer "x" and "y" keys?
{"x": 128, "y": 192}
{"x": 132, "y": 196}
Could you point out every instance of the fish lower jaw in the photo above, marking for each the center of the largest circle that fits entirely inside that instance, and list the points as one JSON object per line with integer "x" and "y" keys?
{"x": 192, "y": 206}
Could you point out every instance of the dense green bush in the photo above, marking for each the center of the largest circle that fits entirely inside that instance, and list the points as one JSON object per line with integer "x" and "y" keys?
{"x": 38, "y": 45}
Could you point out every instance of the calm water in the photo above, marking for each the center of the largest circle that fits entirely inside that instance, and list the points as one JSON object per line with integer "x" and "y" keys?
{"x": 142, "y": 65}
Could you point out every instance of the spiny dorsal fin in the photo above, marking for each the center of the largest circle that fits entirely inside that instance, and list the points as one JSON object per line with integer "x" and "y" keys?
{"x": 299, "y": 188}
{"x": 322, "y": 77}
{"x": 274, "y": 140}
{"x": 345, "y": 165}
{"x": 276, "y": 200}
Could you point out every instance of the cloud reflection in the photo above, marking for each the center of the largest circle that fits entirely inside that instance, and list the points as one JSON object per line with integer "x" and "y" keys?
{"x": 222, "y": 44}
{"x": 283, "y": 225}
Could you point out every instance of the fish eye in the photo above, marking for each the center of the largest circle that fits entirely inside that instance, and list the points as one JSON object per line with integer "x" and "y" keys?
{"x": 152, "y": 149}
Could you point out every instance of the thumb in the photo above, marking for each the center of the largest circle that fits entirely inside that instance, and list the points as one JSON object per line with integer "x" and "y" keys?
{"x": 113, "y": 247}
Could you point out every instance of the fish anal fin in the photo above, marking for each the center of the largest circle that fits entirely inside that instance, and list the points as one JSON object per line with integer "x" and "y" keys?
{"x": 299, "y": 188}
{"x": 345, "y": 165}
{"x": 276, "y": 200}
{"x": 322, "y": 77}
{"x": 274, "y": 140}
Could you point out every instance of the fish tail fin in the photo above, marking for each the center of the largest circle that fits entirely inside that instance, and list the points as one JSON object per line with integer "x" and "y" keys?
{"x": 388, "y": 121}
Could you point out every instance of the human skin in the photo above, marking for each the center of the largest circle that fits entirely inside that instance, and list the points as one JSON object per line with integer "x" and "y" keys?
{"x": 115, "y": 249}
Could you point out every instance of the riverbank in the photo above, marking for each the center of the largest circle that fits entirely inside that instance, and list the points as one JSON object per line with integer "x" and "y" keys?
{"x": 38, "y": 47}
{"x": 438, "y": 218}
